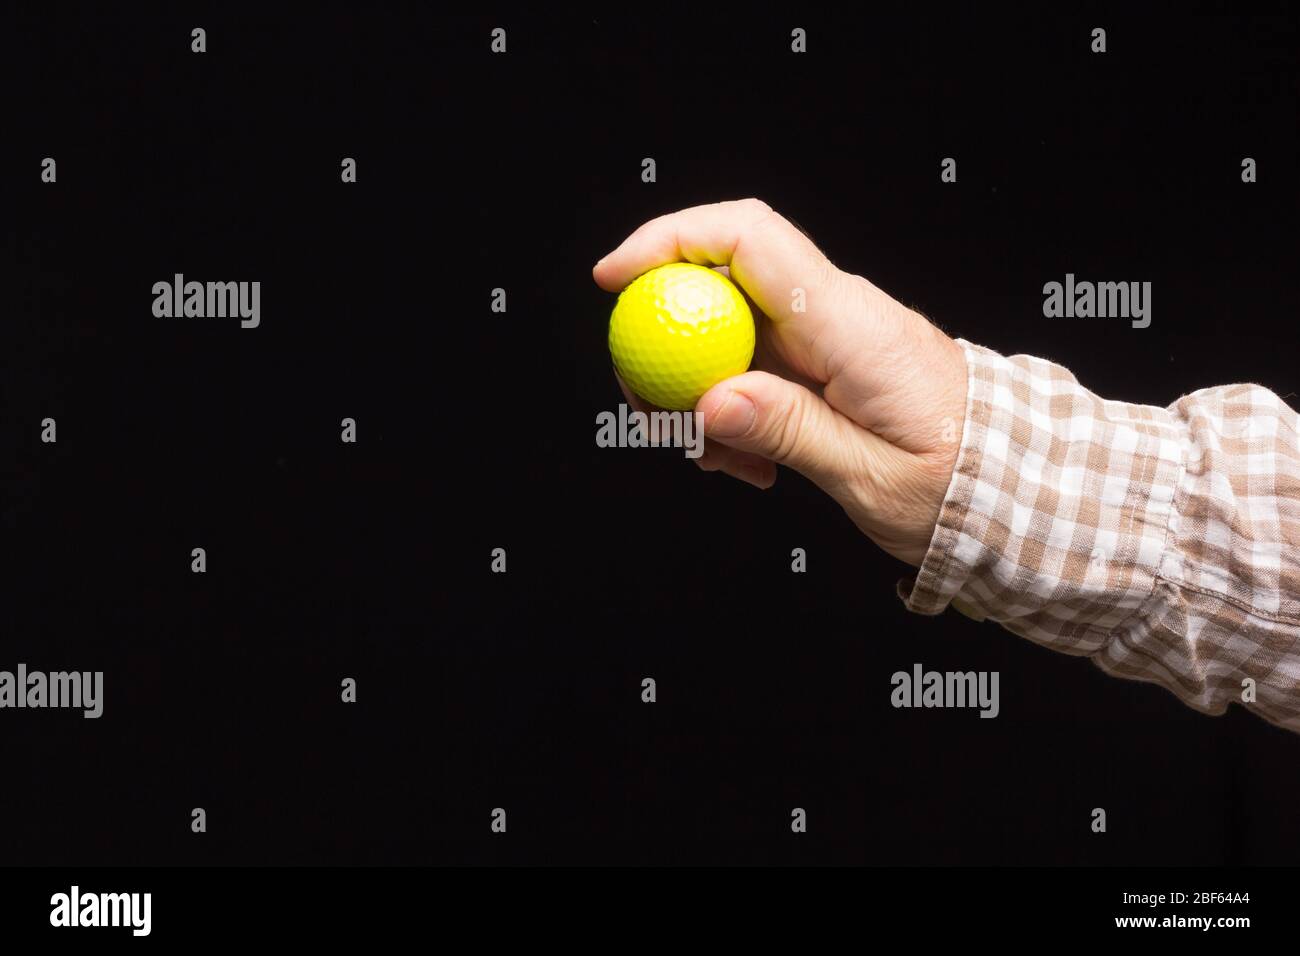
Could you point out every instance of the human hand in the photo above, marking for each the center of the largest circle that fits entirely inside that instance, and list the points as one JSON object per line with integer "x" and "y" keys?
{"x": 858, "y": 393}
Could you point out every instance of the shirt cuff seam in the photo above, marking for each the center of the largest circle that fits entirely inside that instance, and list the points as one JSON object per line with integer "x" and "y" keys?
{"x": 927, "y": 594}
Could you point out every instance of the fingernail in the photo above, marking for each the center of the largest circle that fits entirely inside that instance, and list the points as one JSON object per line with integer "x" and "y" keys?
{"x": 732, "y": 418}
{"x": 600, "y": 262}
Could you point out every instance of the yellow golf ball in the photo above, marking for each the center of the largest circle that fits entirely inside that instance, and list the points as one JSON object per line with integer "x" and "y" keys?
{"x": 677, "y": 331}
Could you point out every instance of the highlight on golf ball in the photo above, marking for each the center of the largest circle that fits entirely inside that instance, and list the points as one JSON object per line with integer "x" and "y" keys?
{"x": 677, "y": 331}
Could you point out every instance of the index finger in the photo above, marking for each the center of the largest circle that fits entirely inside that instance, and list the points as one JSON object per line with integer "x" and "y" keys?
{"x": 767, "y": 255}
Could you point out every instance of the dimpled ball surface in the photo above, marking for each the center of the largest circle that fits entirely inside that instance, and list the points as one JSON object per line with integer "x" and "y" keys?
{"x": 677, "y": 331}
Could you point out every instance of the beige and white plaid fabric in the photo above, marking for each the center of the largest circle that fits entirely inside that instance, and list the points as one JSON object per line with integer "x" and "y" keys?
{"x": 1163, "y": 543}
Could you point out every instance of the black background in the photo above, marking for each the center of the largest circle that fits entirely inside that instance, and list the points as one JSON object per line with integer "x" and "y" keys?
{"x": 476, "y": 431}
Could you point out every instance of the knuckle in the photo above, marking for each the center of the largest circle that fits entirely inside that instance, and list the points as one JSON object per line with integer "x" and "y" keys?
{"x": 824, "y": 272}
{"x": 788, "y": 429}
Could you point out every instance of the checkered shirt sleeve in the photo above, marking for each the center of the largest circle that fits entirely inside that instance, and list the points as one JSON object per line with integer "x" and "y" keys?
{"x": 1163, "y": 543}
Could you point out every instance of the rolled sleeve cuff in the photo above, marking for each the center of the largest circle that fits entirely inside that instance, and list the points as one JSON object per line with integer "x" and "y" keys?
{"x": 1058, "y": 510}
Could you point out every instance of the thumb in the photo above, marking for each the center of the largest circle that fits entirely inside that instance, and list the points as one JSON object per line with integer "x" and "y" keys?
{"x": 769, "y": 416}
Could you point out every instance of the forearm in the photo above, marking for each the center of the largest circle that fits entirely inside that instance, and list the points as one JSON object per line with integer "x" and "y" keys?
{"x": 1162, "y": 543}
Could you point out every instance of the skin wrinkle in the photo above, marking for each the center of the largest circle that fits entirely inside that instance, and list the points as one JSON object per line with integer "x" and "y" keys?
{"x": 826, "y": 372}
{"x": 741, "y": 234}
{"x": 891, "y": 351}
{"x": 828, "y": 277}
{"x": 790, "y": 429}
